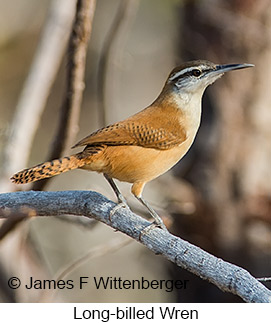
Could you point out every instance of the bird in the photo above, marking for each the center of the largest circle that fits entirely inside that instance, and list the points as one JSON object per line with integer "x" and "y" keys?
{"x": 146, "y": 144}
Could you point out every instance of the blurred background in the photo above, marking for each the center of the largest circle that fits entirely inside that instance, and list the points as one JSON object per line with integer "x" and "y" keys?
{"x": 217, "y": 197}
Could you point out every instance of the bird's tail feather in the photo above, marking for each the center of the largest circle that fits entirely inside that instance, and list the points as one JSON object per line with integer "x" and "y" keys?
{"x": 48, "y": 169}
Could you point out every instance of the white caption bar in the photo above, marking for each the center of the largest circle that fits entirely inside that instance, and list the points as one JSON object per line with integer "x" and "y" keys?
{"x": 153, "y": 312}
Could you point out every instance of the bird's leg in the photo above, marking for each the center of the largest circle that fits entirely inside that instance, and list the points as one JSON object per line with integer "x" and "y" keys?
{"x": 157, "y": 220}
{"x": 121, "y": 199}
{"x": 137, "y": 189}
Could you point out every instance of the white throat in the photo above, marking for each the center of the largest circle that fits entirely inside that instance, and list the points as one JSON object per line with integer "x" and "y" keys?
{"x": 190, "y": 104}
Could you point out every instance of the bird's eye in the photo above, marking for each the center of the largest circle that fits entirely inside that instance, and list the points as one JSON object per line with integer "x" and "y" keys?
{"x": 196, "y": 72}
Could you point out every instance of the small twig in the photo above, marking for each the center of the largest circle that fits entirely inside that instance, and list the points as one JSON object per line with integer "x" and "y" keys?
{"x": 71, "y": 106}
{"x": 125, "y": 12}
{"x": 264, "y": 279}
{"x": 86, "y": 223}
{"x": 226, "y": 276}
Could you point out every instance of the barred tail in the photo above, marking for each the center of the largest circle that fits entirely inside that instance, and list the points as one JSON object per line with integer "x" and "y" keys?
{"x": 47, "y": 169}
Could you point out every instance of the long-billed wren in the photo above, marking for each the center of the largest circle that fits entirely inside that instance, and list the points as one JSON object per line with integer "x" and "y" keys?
{"x": 147, "y": 144}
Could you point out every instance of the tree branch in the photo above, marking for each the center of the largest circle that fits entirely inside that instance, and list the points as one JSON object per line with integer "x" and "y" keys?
{"x": 226, "y": 276}
{"x": 71, "y": 106}
{"x": 36, "y": 90}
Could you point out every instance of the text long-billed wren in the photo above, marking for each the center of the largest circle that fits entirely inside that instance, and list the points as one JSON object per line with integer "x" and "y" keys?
{"x": 147, "y": 144}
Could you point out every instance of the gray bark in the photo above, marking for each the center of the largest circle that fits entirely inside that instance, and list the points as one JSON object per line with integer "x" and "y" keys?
{"x": 226, "y": 276}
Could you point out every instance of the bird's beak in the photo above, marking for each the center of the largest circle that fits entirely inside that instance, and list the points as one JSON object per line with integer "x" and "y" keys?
{"x": 229, "y": 67}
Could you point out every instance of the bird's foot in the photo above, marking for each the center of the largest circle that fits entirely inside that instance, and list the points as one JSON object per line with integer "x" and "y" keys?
{"x": 121, "y": 204}
{"x": 151, "y": 226}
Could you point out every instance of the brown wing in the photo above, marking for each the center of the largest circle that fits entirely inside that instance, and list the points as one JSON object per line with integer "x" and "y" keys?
{"x": 134, "y": 133}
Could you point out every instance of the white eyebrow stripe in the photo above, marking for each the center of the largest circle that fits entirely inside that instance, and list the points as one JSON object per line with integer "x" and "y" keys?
{"x": 188, "y": 69}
